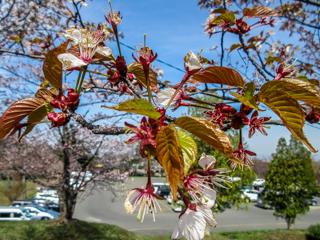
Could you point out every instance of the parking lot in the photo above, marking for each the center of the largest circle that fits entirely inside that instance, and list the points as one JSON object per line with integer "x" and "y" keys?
{"x": 101, "y": 206}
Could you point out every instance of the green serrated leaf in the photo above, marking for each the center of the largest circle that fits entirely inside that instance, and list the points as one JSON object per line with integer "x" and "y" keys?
{"x": 137, "y": 106}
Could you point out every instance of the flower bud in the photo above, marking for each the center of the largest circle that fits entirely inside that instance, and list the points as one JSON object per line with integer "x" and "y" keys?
{"x": 192, "y": 62}
{"x": 242, "y": 26}
{"x": 57, "y": 119}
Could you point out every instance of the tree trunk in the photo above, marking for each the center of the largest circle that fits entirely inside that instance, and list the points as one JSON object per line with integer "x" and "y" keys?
{"x": 68, "y": 194}
{"x": 289, "y": 222}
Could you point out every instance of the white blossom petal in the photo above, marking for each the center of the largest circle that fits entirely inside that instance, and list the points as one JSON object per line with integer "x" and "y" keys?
{"x": 129, "y": 201}
{"x": 164, "y": 96}
{"x": 73, "y": 34}
{"x": 206, "y": 161}
{"x": 192, "y": 62}
{"x": 104, "y": 51}
{"x": 69, "y": 61}
{"x": 208, "y": 197}
{"x": 208, "y": 215}
{"x": 191, "y": 225}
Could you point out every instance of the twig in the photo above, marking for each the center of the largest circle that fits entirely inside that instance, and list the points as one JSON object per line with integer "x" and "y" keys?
{"x": 97, "y": 129}
{"x": 244, "y": 47}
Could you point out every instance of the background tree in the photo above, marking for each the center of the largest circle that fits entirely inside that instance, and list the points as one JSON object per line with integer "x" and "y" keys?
{"x": 290, "y": 182}
{"x": 297, "y": 19}
{"x": 73, "y": 161}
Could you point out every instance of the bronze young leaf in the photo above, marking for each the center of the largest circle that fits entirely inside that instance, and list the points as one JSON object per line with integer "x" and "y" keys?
{"x": 288, "y": 109}
{"x": 16, "y": 112}
{"x": 52, "y": 67}
{"x": 259, "y": 11}
{"x": 170, "y": 156}
{"x": 36, "y": 117}
{"x": 300, "y": 90}
{"x": 208, "y": 132}
{"x": 219, "y": 75}
{"x": 137, "y": 70}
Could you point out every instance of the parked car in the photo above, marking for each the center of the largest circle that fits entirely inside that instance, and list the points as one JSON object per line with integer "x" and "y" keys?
{"x": 162, "y": 189}
{"x": 258, "y": 182}
{"x": 21, "y": 203}
{"x": 52, "y": 206}
{"x": 314, "y": 201}
{"x": 250, "y": 195}
{"x": 158, "y": 187}
{"x": 13, "y": 214}
{"x": 39, "y": 213}
{"x": 47, "y": 197}
{"x": 261, "y": 203}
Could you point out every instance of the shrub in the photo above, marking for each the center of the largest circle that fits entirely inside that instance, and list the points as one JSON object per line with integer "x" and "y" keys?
{"x": 314, "y": 232}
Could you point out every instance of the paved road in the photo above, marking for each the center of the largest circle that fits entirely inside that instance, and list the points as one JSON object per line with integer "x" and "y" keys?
{"x": 100, "y": 206}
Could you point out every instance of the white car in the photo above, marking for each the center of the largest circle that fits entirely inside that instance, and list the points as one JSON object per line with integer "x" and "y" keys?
{"x": 259, "y": 182}
{"x": 38, "y": 213}
{"x": 47, "y": 197}
{"x": 12, "y": 214}
{"x": 251, "y": 195}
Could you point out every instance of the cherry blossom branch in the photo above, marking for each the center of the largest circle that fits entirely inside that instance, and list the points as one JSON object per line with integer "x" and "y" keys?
{"x": 96, "y": 129}
{"x": 314, "y": 3}
{"x": 251, "y": 59}
{"x": 5, "y": 51}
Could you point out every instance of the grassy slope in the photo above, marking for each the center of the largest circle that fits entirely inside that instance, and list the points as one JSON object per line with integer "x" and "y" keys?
{"x": 78, "y": 230}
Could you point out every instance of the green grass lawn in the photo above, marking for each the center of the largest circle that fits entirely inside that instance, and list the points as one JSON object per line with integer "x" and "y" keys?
{"x": 30, "y": 192}
{"x": 79, "y": 230}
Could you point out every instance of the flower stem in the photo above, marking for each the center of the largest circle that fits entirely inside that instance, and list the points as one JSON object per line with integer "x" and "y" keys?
{"x": 77, "y": 84}
{"x": 117, "y": 40}
{"x": 98, "y": 73}
{"x": 146, "y": 74}
{"x": 183, "y": 81}
{"x": 82, "y": 79}
{"x": 149, "y": 184}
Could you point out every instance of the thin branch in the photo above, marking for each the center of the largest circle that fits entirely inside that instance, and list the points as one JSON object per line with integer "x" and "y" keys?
{"x": 21, "y": 54}
{"x": 255, "y": 64}
{"x": 9, "y": 11}
{"x": 97, "y": 129}
{"x": 314, "y": 3}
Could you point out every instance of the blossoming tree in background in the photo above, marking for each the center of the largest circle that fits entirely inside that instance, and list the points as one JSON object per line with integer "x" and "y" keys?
{"x": 240, "y": 103}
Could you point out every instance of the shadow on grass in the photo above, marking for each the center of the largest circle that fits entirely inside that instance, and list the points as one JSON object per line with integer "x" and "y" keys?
{"x": 75, "y": 230}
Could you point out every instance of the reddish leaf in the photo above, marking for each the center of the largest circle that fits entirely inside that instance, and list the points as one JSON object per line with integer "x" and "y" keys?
{"x": 220, "y": 75}
{"x": 16, "y": 112}
{"x": 52, "y": 67}
{"x": 259, "y": 11}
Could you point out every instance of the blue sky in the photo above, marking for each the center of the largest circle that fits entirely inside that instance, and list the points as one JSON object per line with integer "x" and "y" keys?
{"x": 173, "y": 28}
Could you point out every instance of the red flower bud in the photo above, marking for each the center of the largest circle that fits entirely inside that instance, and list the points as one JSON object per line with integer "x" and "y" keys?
{"x": 313, "y": 117}
{"x": 239, "y": 120}
{"x": 55, "y": 103}
{"x": 73, "y": 96}
{"x": 58, "y": 119}
{"x": 245, "y": 109}
{"x": 283, "y": 71}
{"x": 114, "y": 76}
{"x": 121, "y": 65}
{"x": 130, "y": 76}
{"x": 242, "y": 26}
{"x": 226, "y": 109}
